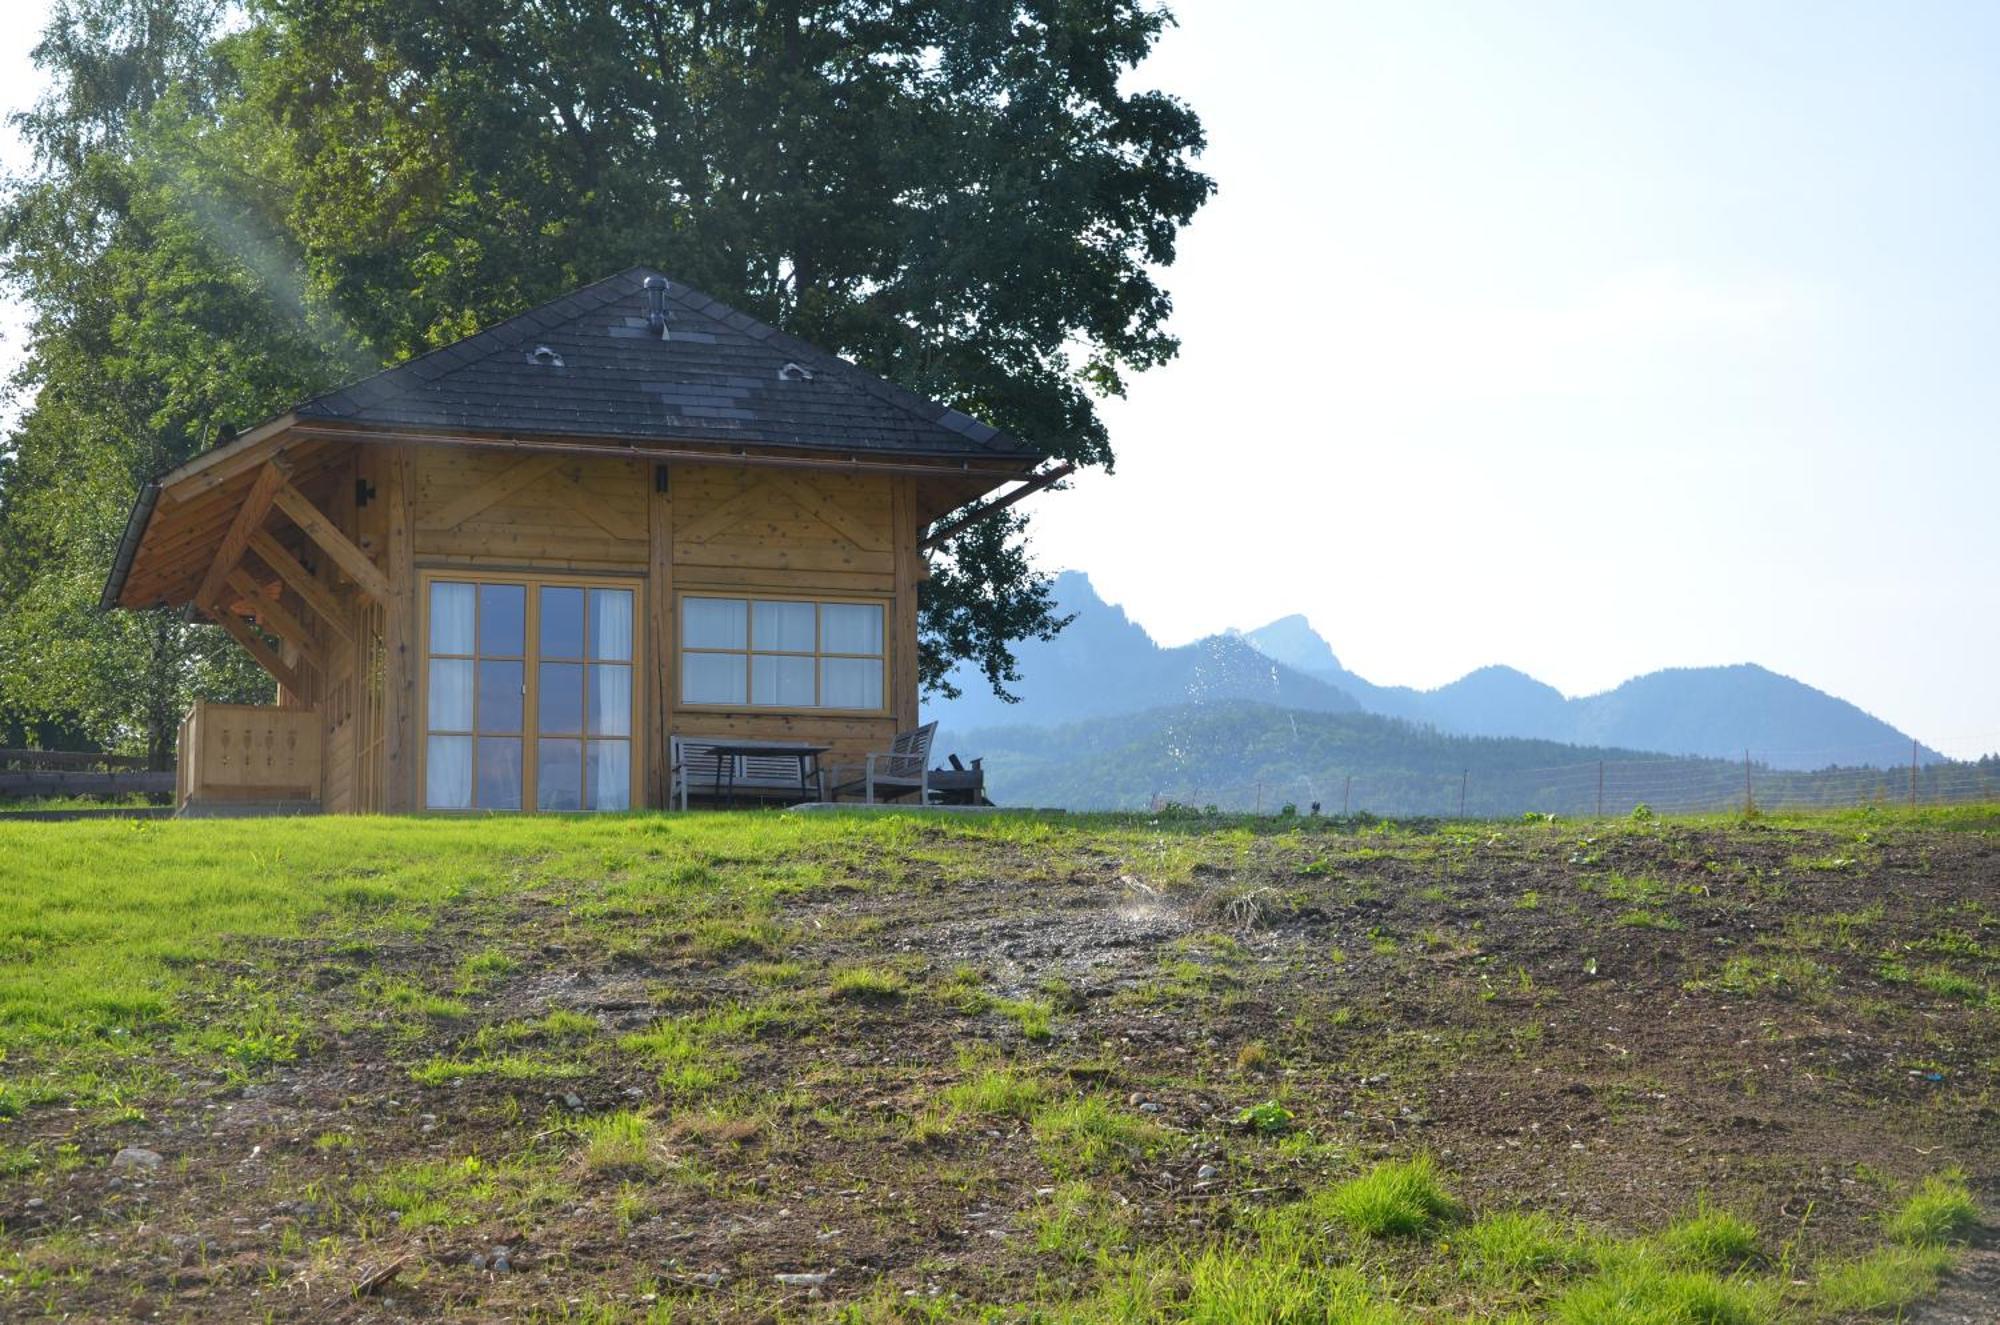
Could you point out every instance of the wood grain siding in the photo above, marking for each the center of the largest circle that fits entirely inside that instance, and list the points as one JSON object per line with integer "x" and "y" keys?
{"x": 500, "y": 508}
{"x": 737, "y": 520}
{"x": 777, "y": 533}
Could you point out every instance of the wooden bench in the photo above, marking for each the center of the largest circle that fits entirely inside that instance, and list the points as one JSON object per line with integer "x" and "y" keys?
{"x": 723, "y": 766}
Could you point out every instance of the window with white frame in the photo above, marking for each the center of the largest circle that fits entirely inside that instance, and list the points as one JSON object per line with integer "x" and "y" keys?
{"x": 783, "y": 653}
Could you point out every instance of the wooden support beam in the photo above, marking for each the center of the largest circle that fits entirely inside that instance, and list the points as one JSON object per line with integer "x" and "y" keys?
{"x": 249, "y": 516}
{"x": 903, "y": 648}
{"x": 964, "y": 522}
{"x": 272, "y": 615}
{"x": 316, "y": 595}
{"x": 266, "y": 657}
{"x": 351, "y": 559}
{"x": 402, "y": 740}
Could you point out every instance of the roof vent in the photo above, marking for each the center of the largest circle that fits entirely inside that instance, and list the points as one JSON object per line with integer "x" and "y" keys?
{"x": 793, "y": 372}
{"x": 545, "y": 356}
{"x": 656, "y": 305}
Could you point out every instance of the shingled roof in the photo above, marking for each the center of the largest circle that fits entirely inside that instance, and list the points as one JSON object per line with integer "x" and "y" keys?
{"x": 588, "y": 364}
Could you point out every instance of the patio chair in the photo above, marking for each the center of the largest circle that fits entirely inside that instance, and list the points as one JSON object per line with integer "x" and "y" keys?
{"x": 892, "y": 774}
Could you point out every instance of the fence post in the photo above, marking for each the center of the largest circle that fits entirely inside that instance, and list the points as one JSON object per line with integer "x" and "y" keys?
{"x": 1749, "y": 797}
{"x": 1464, "y": 778}
{"x": 1600, "y": 788}
{"x": 1913, "y": 774}
{"x": 1346, "y": 795}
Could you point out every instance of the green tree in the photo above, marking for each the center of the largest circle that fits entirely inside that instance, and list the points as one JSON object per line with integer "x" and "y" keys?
{"x": 157, "y": 315}
{"x": 956, "y": 194}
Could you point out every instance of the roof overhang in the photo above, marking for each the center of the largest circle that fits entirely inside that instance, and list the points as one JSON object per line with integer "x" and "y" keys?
{"x": 184, "y": 515}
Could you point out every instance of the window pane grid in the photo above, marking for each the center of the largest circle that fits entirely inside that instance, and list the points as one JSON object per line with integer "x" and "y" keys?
{"x": 749, "y": 651}
{"x": 499, "y": 728}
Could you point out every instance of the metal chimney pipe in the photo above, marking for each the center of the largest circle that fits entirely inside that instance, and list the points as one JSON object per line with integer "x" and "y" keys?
{"x": 656, "y": 304}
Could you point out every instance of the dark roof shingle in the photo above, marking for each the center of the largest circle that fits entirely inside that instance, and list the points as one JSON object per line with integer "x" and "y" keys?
{"x": 717, "y": 377}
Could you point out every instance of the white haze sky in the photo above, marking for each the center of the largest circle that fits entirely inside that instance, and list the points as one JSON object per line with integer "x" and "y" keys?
{"x": 1589, "y": 338}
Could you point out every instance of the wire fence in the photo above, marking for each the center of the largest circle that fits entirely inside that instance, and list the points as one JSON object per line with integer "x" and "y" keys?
{"x": 1596, "y": 788}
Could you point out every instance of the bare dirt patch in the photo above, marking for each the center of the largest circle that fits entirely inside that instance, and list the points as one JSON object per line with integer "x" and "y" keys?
{"x": 1605, "y": 1025}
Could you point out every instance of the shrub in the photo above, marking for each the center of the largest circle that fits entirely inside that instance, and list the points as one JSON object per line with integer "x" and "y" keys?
{"x": 1400, "y": 1198}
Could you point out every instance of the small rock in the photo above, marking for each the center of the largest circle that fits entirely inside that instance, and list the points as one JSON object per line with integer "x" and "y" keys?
{"x": 136, "y": 1157}
{"x": 1151, "y": 1107}
{"x": 476, "y": 1261}
{"x": 35, "y": 1203}
{"x": 1205, "y": 1172}
{"x": 573, "y": 1102}
{"x": 803, "y": 1280}
{"x": 1135, "y": 1099}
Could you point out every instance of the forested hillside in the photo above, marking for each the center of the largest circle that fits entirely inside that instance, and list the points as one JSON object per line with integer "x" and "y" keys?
{"x": 1242, "y": 756}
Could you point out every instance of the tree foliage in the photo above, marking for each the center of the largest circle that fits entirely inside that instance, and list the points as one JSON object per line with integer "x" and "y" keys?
{"x": 959, "y": 195}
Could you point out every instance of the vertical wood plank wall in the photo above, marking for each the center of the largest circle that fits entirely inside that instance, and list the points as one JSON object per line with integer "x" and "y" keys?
{"x": 714, "y": 529}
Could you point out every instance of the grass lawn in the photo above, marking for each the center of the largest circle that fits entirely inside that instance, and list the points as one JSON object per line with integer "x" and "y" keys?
{"x": 762, "y": 1066}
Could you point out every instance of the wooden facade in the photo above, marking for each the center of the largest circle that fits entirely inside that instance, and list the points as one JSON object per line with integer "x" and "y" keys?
{"x": 418, "y": 559}
{"x": 332, "y": 574}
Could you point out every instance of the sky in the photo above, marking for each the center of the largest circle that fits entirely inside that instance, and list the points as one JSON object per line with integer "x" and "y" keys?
{"x": 1588, "y": 338}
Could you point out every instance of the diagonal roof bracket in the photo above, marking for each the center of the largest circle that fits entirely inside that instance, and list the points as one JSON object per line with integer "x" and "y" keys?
{"x": 1034, "y": 484}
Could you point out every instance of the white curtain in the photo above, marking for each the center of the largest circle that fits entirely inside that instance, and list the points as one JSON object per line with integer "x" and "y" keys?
{"x": 850, "y": 628}
{"x": 451, "y": 617}
{"x": 450, "y": 707}
{"x": 781, "y": 681}
{"x": 610, "y": 700}
{"x": 850, "y": 683}
{"x": 712, "y": 678}
{"x": 608, "y": 780}
{"x": 714, "y": 623}
{"x": 611, "y": 624}
{"x": 782, "y": 627}
{"x": 448, "y": 773}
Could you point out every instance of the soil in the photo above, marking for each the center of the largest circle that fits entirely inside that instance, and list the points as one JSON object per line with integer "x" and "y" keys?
{"x": 1510, "y": 1002}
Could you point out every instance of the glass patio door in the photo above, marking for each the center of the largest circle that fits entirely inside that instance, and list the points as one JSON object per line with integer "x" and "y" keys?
{"x": 584, "y": 699}
{"x": 529, "y": 696}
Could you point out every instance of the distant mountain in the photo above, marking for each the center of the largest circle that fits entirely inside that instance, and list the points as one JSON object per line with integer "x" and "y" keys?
{"x": 1104, "y": 664}
{"x": 1715, "y": 712}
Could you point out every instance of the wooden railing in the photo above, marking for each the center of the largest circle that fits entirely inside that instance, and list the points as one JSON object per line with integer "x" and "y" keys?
{"x": 248, "y": 752}
{"x": 79, "y": 773}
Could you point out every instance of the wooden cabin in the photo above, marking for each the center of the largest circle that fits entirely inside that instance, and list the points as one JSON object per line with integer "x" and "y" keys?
{"x": 500, "y": 575}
